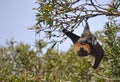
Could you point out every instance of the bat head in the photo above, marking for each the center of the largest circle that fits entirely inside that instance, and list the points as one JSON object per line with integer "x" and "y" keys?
{"x": 81, "y": 48}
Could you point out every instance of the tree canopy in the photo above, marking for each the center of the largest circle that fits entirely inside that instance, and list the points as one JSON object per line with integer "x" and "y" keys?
{"x": 54, "y": 15}
{"x": 20, "y": 62}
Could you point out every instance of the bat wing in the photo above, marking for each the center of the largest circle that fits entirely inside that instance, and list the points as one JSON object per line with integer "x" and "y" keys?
{"x": 98, "y": 52}
{"x": 71, "y": 35}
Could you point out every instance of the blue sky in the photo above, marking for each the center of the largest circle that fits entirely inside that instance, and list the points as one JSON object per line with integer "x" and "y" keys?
{"x": 17, "y": 15}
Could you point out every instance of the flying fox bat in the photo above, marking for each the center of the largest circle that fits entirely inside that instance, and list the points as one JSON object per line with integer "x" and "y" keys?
{"x": 86, "y": 45}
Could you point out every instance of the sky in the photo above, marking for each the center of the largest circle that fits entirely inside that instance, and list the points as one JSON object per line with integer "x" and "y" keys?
{"x": 16, "y": 16}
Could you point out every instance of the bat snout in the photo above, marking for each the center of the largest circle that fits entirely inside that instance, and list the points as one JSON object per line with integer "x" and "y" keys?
{"x": 82, "y": 52}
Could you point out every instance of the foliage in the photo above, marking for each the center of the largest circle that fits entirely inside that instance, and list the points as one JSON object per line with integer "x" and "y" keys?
{"x": 54, "y": 15}
{"x": 111, "y": 41}
{"x": 19, "y": 62}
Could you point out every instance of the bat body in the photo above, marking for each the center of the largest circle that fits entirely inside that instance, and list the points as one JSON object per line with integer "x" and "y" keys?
{"x": 86, "y": 45}
{"x": 79, "y": 48}
{"x": 96, "y": 49}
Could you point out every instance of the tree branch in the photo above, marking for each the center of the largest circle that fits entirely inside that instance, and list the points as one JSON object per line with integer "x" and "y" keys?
{"x": 54, "y": 15}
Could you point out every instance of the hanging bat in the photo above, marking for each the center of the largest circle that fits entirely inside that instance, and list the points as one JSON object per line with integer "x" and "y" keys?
{"x": 86, "y": 45}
